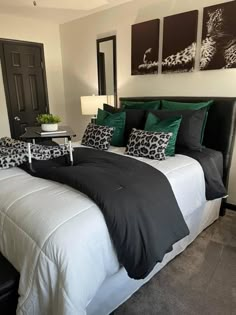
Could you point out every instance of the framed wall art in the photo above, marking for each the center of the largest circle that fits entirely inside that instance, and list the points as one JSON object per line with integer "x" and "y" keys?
{"x": 145, "y": 47}
{"x": 180, "y": 42}
{"x": 218, "y": 48}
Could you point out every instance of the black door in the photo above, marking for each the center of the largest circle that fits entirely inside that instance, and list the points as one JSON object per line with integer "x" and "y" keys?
{"x": 25, "y": 84}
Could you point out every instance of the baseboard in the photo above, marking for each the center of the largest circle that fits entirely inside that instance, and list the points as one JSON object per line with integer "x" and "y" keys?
{"x": 230, "y": 206}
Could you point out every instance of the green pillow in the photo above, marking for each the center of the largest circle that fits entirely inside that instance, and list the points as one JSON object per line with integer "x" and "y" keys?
{"x": 180, "y": 105}
{"x": 192, "y": 106}
{"x": 153, "y": 123}
{"x": 140, "y": 105}
{"x": 117, "y": 121}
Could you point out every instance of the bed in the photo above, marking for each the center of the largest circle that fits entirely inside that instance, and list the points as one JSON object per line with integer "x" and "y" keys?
{"x": 61, "y": 246}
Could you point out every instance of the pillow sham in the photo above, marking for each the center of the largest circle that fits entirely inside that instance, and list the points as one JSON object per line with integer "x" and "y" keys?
{"x": 38, "y": 151}
{"x": 9, "y": 157}
{"x": 135, "y": 118}
{"x": 148, "y": 144}
{"x": 9, "y": 142}
{"x": 15, "y": 152}
{"x": 141, "y": 105}
{"x": 170, "y": 105}
{"x": 190, "y": 130}
{"x": 153, "y": 123}
{"x": 117, "y": 121}
{"x": 98, "y": 137}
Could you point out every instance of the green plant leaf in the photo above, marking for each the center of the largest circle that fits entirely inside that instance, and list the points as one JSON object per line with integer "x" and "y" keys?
{"x": 48, "y": 119}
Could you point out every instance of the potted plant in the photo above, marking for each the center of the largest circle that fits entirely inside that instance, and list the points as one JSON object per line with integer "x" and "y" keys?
{"x": 48, "y": 122}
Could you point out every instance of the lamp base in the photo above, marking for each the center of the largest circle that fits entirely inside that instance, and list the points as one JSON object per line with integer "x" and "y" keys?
{"x": 94, "y": 119}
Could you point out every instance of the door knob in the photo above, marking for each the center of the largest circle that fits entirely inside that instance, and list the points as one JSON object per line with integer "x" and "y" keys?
{"x": 17, "y": 118}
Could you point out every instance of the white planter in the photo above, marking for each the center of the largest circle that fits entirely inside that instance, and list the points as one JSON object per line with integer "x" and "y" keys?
{"x": 49, "y": 127}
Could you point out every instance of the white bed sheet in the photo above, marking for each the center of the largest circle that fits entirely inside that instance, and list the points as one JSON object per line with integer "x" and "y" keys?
{"x": 56, "y": 237}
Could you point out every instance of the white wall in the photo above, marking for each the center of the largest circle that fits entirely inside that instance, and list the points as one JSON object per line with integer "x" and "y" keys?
{"x": 78, "y": 40}
{"x": 42, "y": 32}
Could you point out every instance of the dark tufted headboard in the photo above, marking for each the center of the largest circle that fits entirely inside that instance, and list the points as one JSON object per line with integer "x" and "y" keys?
{"x": 220, "y": 128}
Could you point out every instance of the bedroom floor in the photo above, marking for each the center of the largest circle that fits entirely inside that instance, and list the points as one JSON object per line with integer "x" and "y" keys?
{"x": 202, "y": 280}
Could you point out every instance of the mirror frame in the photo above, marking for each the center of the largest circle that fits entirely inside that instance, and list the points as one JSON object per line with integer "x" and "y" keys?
{"x": 101, "y": 40}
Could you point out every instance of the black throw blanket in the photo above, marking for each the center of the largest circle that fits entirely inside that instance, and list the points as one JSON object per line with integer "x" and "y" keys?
{"x": 137, "y": 201}
{"x": 212, "y": 164}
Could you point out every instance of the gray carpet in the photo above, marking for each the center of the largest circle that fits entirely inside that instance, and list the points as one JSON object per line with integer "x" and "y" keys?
{"x": 202, "y": 280}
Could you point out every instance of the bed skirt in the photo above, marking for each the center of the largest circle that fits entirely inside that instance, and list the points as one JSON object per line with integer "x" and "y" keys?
{"x": 119, "y": 287}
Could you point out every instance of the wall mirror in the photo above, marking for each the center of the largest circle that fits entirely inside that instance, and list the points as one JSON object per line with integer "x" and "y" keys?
{"x": 106, "y": 61}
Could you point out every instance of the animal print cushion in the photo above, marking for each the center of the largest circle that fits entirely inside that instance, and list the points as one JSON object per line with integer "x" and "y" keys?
{"x": 9, "y": 142}
{"x": 98, "y": 137}
{"x": 148, "y": 144}
{"x": 14, "y": 152}
{"x": 10, "y": 157}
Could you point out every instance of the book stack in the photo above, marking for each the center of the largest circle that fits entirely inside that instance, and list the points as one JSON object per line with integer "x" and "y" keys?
{"x": 49, "y": 133}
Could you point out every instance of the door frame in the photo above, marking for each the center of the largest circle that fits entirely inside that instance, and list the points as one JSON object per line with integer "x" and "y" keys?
{"x": 4, "y": 75}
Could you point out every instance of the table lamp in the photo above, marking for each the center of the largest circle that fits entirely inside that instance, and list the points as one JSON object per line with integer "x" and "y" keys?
{"x": 90, "y": 104}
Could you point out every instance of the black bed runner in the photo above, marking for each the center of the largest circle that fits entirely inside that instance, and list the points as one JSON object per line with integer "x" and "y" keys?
{"x": 137, "y": 201}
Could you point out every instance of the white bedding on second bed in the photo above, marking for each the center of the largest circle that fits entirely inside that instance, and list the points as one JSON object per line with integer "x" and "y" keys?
{"x": 57, "y": 239}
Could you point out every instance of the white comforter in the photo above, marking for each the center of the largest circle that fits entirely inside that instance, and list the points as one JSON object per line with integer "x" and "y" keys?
{"x": 56, "y": 237}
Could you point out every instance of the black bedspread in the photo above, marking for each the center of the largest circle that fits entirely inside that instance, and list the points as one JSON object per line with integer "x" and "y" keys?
{"x": 139, "y": 206}
{"x": 212, "y": 165}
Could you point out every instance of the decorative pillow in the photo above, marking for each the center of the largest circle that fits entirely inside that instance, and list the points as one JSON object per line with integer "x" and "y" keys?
{"x": 98, "y": 137}
{"x": 141, "y": 105}
{"x": 117, "y": 121}
{"x": 14, "y": 152}
{"x": 9, "y": 142}
{"x": 148, "y": 144}
{"x": 10, "y": 157}
{"x": 190, "y": 131}
{"x": 37, "y": 150}
{"x": 135, "y": 118}
{"x": 57, "y": 151}
{"x": 170, "y": 105}
{"x": 192, "y": 106}
{"x": 153, "y": 123}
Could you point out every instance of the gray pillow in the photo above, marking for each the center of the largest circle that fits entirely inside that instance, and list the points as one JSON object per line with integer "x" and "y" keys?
{"x": 190, "y": 131}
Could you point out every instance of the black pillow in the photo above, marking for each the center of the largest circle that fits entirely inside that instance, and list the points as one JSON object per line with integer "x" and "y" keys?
{"x": 135, "y": 118}
{"x": 190, "y": 131}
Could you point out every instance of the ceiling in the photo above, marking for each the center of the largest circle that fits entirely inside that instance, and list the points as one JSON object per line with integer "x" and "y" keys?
{"x": 58, "y": 11}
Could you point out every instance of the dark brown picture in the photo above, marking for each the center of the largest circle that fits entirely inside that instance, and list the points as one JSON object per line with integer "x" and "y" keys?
{"x": 180, "y": 42}
{"x": 145, "y": 47}
{"x": 218, "y": 49}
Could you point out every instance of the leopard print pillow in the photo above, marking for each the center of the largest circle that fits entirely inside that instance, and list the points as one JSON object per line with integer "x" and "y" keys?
{"x": 38, "y": 151}
{"x": 148, "y": 144}
{"x": 98, "y": 137}
{"x": 14, "y": 152}
{"x": 9, "y": 142}
{"x": 10, "y": 157}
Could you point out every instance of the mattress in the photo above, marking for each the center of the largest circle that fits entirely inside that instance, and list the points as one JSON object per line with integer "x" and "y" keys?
{"x": 57, "y": 238}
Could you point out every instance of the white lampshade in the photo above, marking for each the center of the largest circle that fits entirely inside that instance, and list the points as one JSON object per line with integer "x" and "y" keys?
{"x": 90, "y": 104}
